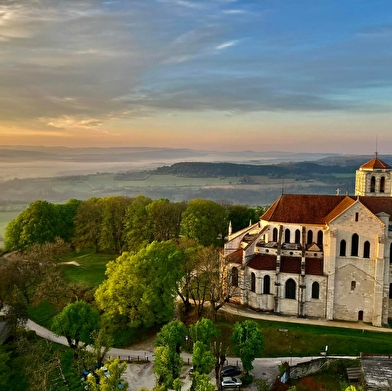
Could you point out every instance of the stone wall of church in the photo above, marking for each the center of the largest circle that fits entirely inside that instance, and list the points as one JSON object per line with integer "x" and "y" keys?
{"x": 315, "y": 307}
{"x": 355, "y": 279}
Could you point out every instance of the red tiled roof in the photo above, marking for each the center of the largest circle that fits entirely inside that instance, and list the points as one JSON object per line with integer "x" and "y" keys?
{"x": 320, "y": 209}
{"x": 346, "y": 203}
{"x": 236, "y": 256}
{"x": 290, "y": 265}
{"x": 314, "y": 266}
{"x": 375, "y": 163}
{"x": 263, "y": 262}
{"x": 302, "y": 208}
{"x": 378, "y": 204}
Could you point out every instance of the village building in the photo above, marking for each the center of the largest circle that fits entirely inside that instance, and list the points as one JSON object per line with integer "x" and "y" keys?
{"x": 322, "y": 256}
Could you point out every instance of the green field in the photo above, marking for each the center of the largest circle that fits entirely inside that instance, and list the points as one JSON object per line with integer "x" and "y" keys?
{"x": 5, "y": 217}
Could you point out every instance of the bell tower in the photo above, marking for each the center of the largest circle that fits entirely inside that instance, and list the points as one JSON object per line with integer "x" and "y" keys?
{"x": 374, "y": 179}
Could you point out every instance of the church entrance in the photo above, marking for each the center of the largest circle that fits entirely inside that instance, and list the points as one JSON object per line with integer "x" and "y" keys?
{"x": 360, "y": 316}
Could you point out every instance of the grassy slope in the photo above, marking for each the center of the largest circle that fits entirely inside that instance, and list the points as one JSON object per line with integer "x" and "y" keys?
{"x": 299, "y": 340}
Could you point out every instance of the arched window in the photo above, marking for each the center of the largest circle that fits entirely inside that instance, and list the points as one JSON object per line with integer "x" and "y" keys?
{"x": 315, "y": 290}
{"x": 390, "y": 253}
{"x": 234, "y": 276}
{"x": 310, "y": 237}
{"x": 382, "y": 184}
{"x": 354, "y": 245}
{"x": 253, "y": 282}
{"x": 290, "y": 289}
{"x": 287, "y": 235}
{"x": 373, "y": 184}
{"x": 266, "y": 285}
{"x": 366, "y": 250}
{"x": 297, "y": 236}
{"x": 275, "y": 235}
{"x": 342, "y": 251}
{"x": 320, "y": 237}
{"x": 353, "y": 285}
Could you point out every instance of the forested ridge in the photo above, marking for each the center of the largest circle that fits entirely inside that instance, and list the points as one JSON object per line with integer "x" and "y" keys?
{"x": 208, "y": 170}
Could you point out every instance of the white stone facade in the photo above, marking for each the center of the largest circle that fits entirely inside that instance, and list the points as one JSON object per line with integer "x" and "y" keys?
{"x": 319, "y": 256}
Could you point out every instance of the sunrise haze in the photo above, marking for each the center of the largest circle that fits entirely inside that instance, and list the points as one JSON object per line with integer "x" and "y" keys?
{"x": 228, "y": 75}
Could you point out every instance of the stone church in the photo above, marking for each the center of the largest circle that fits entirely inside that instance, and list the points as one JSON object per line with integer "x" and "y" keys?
{"x": 323, "y": 256}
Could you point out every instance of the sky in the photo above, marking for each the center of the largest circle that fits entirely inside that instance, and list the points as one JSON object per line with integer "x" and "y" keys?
{"x": 230, "y": 75}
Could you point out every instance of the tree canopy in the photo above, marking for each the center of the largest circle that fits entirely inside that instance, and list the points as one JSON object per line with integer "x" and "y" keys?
{"x": 142, "y": 287}
{"x": 76, "y": 322}
{"x": 248, "y": 342}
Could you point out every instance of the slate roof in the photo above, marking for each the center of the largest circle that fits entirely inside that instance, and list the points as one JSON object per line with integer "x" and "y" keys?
{"x": 375, "y": 164}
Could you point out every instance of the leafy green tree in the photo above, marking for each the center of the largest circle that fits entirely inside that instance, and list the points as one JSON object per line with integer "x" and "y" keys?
{"x": 5, "y": 370}
{"x": 138, "y": 230}
{"x": 37, "y": 224}
{"x": 142, "y": 287}
{"x": 204, "y": 331}
{"x": 248, "y": 342}
{"x": 88, "y": 224}
{"x": 165, "y": 219}
{"x": 202, "y": 382}
{"x": 205, "y": 221}
{"x": 202, "y": 358}
{"x": 76, "y": 322}
{"x": 67, "y": 213}
{"x": 167, "y": 366}
{"x": 240, "y": 216}
{"x": 109, "y": 377}
{"x": 112, "y": 235}
{"x": 172, "y": 335}
{"x": 190, "y": 249}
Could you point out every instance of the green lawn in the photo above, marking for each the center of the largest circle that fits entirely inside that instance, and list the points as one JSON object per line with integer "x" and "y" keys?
{"x": 309, "y": 340}
{"x": 91, "y": 269}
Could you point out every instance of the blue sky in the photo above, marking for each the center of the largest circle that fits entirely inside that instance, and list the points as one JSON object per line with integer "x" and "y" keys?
{"x": 302, "y": 76}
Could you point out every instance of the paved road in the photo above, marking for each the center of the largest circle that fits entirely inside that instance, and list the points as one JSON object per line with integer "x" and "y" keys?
{"x": 264, "y": 368}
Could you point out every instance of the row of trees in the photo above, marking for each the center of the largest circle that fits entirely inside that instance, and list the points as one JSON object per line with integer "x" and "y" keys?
{"x": 202, "y": 338}
{"x": 116, "y": 224}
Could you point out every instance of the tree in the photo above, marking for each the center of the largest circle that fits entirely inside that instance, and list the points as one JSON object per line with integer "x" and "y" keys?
{"x": 204, "y": 331}
{"x": 27, "y": 270}
{"x": 67, "y": 214}
{"x": 167, "y": 365}
{"x": 109, "y": 377}
{"x": 138, "y": 231}
{"x": 202, "y": 382}
{"x": 172, "y": 335}
{"x": 37, "y": 224}
{"x": 142, "y": 287}
{"x": 88, "y": 224}
{"x": 248, "y": 342}
{"x": 112, "y": 235}
{"x": 76, "y": 322}
{"x": 205, "y": 221}
{"x": 5, "y": 370}
{"x": 202, "y": 358}
{"x": 190, "y": 249}
{"x": 165, "y": 219}
{"x": 210, "y": 282}
{"x": 17, "y": 311}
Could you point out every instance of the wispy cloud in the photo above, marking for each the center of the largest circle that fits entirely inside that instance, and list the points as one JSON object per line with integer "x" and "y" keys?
{"x": 226, "y": 45}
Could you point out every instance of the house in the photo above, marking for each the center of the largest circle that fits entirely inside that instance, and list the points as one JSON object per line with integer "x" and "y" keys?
{"x": 323, "y": 256}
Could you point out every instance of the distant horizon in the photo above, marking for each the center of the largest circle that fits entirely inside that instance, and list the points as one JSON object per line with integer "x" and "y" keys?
{"x": 220, "y": 75}
{"x": 26, "y": 146}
